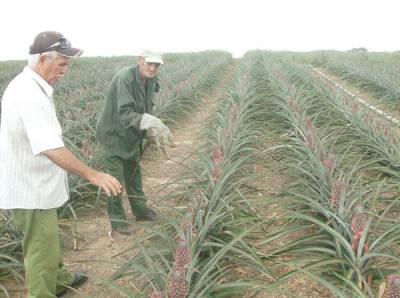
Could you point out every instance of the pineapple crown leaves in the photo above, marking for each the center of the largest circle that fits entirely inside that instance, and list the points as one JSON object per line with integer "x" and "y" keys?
{"x": 156, "y": 294}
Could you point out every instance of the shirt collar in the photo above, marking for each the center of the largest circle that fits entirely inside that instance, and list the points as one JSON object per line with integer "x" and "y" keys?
{"x": 46, "y": 87}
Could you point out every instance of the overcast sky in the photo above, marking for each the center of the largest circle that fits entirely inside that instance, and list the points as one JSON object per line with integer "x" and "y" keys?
{"x": 122, "y": 27}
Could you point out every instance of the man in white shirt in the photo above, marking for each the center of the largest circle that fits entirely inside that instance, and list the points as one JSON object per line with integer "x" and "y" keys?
{"x": 34, "y": 161}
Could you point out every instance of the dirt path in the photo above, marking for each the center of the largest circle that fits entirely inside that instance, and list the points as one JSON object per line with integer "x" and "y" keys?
{"x": 362, "y": 94}
{"x": 97, "y": 253}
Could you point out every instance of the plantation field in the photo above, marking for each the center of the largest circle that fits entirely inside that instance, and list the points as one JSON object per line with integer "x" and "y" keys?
{"x": 280, "y": 184}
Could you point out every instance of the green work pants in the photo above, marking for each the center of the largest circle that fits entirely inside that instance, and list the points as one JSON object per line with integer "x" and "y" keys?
{"x": 128, "y": 172}
{"x": 44, "y": 269}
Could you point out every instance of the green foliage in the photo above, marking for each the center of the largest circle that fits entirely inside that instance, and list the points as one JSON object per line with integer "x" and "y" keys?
{"x": 337, "y": 225}
{"x": 10, "y": 251}
{"x": 346, "y": 250}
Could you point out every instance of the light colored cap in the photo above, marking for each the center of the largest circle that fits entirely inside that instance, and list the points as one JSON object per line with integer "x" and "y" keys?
{"x": 152, "y": 56}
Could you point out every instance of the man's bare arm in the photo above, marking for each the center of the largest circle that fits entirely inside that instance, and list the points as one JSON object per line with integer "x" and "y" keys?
{"x": 65, "y": 159}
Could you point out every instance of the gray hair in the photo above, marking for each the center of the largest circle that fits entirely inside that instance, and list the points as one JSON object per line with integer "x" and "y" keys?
{"x": 33, "y": 59}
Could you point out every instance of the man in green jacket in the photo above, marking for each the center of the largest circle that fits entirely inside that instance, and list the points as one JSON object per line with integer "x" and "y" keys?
{"x": 123, "y": 124}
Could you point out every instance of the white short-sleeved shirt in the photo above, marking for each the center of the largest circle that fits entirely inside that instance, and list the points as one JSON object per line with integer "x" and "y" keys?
{"x": 29, "y": 126}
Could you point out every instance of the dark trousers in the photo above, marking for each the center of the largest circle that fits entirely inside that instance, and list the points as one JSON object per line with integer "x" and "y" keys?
{"x": 128, "y": 172}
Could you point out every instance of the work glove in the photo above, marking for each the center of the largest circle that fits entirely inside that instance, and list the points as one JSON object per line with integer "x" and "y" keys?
{"x": 156, "y": 130}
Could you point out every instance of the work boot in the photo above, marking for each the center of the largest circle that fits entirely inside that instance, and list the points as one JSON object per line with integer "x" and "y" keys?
{"x": 124, "y": 229}
{"x": 148, "y": 215}
{"x": 79, "y": 279}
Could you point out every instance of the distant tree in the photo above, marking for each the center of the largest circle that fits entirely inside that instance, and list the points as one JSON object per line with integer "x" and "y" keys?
{"x": 358, "y": 50}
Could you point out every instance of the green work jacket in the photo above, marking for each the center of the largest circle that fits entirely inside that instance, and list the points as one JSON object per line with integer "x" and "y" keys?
{"x": 118, "y": 127}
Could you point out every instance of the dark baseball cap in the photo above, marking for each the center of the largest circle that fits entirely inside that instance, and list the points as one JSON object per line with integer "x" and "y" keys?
{"x": 49, "y": 41}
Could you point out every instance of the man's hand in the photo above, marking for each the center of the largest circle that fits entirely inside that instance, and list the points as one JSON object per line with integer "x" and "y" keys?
{"x": 106, "y": 182}
{"x": 156, "y": 130}
{"x": 66, "y": 160}
{"x": 164, "y": 137}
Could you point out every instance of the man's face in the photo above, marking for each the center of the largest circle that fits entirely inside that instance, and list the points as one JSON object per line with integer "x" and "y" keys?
{"x": 53, "y": 69}
{"x": 148, "y": 70}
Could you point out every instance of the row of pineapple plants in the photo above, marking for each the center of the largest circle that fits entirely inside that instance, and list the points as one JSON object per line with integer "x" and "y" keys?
{"x": 200, "y": 252}
{"x": 347, "y": 242}
{"x": 372, "y": 134}
{"x": 375, "y": 139}
{"x": 375, "y": 72}
{"x": 184, "y": 84}
{"x": 374, "y": 142}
